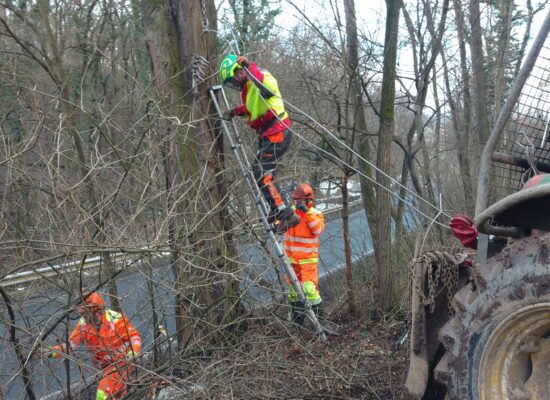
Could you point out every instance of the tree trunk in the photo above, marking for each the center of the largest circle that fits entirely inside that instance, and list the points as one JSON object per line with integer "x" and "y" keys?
{"x": 352, "y": 305}
{"x": 461, "y": 134}
{"x": 110, "y": 269}
{"x": 526, "y": 37}
{"x": 359, "y": 118}
{"x": 202, "y": 226}
{"x": 437, "y": 133}
{"x": 466, "y": 126}
{"x": 403, "y": 194}
{"x": 478, "y": 76}
{"x": 505, "y": 27}
{"x": 423, "y": 66}
{"x": 386, "y": 293}
{"x": 24, "y": 372}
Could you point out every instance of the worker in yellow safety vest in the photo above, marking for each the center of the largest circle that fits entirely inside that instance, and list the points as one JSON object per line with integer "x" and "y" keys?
{"x": 264, "y": 108}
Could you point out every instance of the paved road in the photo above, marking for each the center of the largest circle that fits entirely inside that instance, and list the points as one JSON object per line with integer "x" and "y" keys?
{"x": 44, "y": 307}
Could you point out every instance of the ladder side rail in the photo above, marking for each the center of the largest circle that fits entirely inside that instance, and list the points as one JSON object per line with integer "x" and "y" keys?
{"x": 235, "y": 144}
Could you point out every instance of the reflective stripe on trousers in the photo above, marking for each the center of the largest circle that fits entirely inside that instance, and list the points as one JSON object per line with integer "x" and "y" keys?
{"x": 310, "y": 292}
{"x": 308, "y": 278}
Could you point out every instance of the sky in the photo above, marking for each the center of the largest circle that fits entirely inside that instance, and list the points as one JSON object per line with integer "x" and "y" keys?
{"x": 371, "y": 16}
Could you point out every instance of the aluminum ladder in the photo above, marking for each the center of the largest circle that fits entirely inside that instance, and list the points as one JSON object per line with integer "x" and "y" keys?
{"x": 236, "y": 146}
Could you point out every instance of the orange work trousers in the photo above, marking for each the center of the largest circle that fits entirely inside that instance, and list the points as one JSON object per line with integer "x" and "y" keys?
{"x": 115, "y": 377}
{"x": 304, "y": 273}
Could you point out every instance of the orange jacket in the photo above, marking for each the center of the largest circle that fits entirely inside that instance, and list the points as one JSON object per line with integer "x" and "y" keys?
{"x": 302, "y": 240}
{"x": 116, "y": 337}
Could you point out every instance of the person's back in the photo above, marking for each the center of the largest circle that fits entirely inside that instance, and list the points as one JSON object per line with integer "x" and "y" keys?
{"x": 263, "y": 105}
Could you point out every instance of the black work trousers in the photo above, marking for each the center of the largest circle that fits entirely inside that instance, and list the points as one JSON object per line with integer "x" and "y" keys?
{"x": 265, "y": 166}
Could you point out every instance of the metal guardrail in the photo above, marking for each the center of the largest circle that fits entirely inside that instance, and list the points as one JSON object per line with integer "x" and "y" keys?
{"x": 97, "y": 261}
{"x": 72, "y": 266}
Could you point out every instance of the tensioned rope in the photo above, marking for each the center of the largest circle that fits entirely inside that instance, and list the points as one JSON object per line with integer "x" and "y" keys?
{"x": 371, "y": 165}
{"x": 373, "y": 180}
{"x": 334, "y": 157}
{"x": 439, "y": 210}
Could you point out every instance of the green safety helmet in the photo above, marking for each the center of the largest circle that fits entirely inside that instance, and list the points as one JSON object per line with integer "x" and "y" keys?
{"x": 228, "y": 67}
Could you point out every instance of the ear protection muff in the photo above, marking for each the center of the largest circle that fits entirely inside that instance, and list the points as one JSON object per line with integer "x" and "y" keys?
{"x": 304, "y": 192}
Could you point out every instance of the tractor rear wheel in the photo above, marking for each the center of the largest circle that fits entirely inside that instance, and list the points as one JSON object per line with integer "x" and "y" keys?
{"x": 498, "y": 342}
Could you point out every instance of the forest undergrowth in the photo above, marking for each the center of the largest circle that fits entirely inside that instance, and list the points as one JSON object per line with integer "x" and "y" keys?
{"x": 274, "y": 359}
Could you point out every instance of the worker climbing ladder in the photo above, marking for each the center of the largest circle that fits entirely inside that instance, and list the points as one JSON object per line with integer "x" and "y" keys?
{"x": 235, "y": 144}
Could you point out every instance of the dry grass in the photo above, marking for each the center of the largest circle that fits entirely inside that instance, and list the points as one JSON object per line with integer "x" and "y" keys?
{"x": 275, "y": 360}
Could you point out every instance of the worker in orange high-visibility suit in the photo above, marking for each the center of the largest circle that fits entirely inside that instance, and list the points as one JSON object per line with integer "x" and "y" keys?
{"x": 302, "y": 250}
{"x": 264, "y": 107}
{"x": 112, "y": 341}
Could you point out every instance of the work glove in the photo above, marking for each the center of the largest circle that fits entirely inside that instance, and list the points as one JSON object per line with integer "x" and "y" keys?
{"x": 130, "y": 354}
{"x": 129, "y": 357}
{"x": 124, "y": 358}
{"x": 228, "y": 115}
{"x": 51, "y": 352}
{"x": 242, "y": 60}
{"x": 311, "y": 215}
{"x": 302, "y": 207}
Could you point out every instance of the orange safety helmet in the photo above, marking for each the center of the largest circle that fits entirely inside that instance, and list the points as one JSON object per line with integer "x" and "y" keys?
{"x": 305, "y": 192}
{"x": 94, "y": 301}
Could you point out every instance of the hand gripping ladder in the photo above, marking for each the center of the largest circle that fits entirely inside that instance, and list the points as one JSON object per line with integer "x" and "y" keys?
{"x": 235, "y": 144}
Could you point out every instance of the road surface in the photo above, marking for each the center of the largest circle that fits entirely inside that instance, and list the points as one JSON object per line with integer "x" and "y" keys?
{"x": 41, "y": 307}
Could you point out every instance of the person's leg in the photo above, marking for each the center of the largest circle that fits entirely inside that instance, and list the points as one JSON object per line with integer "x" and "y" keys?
{"x": 307, "y": 275}
{"x": 310, "y": 284}
{"x": 101, "y": 393}
{"x": 108, "y": 385}
{"x": 296, "y": 305}
{"x": 113, "y": 384}
{"x": 265, "y": 166}
{"x": 318, "y": 311}
{"x": 292, "y": 295}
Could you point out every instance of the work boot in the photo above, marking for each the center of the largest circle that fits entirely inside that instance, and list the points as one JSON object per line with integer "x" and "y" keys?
{"x": 298, "y": 314}
{"x": 318, "y": 310}
{"x": 287, "y": 219}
